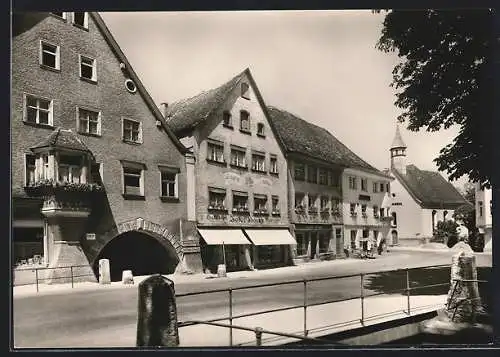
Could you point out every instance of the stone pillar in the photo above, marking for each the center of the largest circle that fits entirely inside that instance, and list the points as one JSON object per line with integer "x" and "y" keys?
{"x": 190, "y": 187}
{"x": 104, "y": 272}
{"x": 463, "y": 302}
{"x": 191, "y": 258}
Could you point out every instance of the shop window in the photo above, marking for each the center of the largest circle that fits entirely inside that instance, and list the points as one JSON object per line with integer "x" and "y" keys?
{"x": 49, "y": 55}
{"x": 216, "y": 199}
{"x": 70, "y": 168}
{"x": 299, "y": 171}
{"x": 238, "y": 158}
{"x": 312, "y": 174}
{"x": 258, "y": 162}
{"x": 353, "y": 238}
{"x": 324, "y": 242}
{"x": 215, "y": 152}
{"x": 38, "y": 110}
{"x": 89, "y": 122}
{"x": 240, "y": 202}
{"x": 301, "y": 244}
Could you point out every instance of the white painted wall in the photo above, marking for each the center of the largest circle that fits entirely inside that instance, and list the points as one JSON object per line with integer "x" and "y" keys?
{"x": 409, "y": 213}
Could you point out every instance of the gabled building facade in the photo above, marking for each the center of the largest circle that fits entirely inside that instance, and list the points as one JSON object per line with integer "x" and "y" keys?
{"x": 420, "y": 198}
{"x": 237, "y": 181}
{"x": 484, "y": 214}
{"x": 92, "y": 157}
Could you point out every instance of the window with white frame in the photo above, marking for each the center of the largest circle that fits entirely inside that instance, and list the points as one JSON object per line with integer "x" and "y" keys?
{"x": 38, "y": 110}
{"x": 30, "y": 169}
{"x": 49, "y": 55}
{"x": 258, "y": 162}
{"x": 240, "y": 201}
{"x": 88, "y": 68}
{"x": 133, "y": 179}
{"x": 353, "y": 185}
{"x": 44, "y": 174}
{"x": 364, "y": 185}
{"x": 215, "y": 152}
{"x": 168, "y": 182}
{"x": 89, "y": 121}
{"x": 216, "y": 198}
{"x": 132, "y": 131}
{"x": 70, "y": 168}
{"x": 81, "y": 19}
{"x": 245, "y": 121}
{"x": 260, "y": 204}
{"x": 273, "y": 164}
{"x": 238, "y": 157}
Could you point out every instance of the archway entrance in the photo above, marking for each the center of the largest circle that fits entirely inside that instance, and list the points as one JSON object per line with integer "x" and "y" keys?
{"x": 140, "y": 252}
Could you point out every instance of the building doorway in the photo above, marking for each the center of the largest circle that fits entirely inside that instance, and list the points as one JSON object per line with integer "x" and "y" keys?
{"x": 314, "y": 240}
{"x": 137, "y": 251}
{"x": 394, "y": 235}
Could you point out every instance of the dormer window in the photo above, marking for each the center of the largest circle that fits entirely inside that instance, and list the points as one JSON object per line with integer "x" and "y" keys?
{"x": 245, "y": 91}
{"x": 260, "y": 130}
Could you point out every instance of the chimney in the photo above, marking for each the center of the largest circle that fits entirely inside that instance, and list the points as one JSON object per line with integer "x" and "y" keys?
{"x": 163, "y": 109}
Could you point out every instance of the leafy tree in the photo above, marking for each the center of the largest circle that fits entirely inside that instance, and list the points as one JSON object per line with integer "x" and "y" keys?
{"x": 444, "y": 78}
{"x": 446, "y": 232}
{"x": 467, "y": 214}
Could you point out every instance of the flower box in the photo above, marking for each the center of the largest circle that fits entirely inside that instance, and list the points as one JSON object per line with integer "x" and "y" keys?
{"x": 50, "y": 188}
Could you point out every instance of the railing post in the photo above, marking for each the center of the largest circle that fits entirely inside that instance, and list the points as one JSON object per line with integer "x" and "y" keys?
{"x": 230, "y": 317}
{"x": 305, "y": 307}
{"x": 362, "y": 295}
{"x": 36, "y": 278}
{"x": 71, "y": 270}
{"x": 258, "y": 336}
{"x": 408, "y": 290}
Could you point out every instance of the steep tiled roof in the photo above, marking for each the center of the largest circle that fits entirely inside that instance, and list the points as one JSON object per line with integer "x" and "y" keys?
{"x": 430, "y": 188}
{"x": 187, "y": 113}
{"x": 61, "y": 138}
{"x": 300, "y": 136}
{"x": 398, "y": 140}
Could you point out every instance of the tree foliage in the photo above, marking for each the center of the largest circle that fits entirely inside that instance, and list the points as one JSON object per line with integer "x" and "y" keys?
{"x": 444, "y": 78}
{"x": 446, "y": 232}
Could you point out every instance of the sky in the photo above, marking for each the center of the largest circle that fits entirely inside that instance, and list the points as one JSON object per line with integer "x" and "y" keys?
{"x": 322, "y": 66}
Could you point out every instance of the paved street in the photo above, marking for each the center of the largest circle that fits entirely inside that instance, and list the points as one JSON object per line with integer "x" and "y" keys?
{"x": 107, "y": 317}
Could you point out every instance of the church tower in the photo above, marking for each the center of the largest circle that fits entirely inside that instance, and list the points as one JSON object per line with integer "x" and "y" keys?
{"x": 398, "y": 153}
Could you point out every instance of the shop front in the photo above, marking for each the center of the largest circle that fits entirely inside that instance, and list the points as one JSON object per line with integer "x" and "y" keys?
{"x": 315, "y": 241}
{"x": 271, "y": 247}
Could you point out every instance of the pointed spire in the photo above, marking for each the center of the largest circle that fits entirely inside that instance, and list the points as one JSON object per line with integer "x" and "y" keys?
{"x": 398, "y": 141}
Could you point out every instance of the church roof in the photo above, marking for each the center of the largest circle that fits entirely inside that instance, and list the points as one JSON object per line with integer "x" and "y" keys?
{"x": 398, "y": 140}
{"x": 430, "y": 189}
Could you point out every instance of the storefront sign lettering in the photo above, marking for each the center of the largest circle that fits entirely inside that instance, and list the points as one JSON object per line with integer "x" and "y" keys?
{"x": 240, "y": 219}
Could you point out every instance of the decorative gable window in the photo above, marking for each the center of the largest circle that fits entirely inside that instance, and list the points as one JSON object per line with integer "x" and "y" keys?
{"x": 38, "y": 110}
{"x": 245, "y": 91}
{"x": 260, "y": 204}
{"x": 353, "y": 185}
{"x": 89, "y": 121}
{"x": 216, "y": 198}
{"x": 258, "y": 162}
{"x": 299, "y": 171}
{"x": 245, "y": 121}
{"x": 260, "y": 130}
{"x": 70, "y": 168}
{"x": 132, "y": 131}
{"x": 238, "y": 157}
{"x": 88, "y": 68}
{"x": 226, "y": 120}
{"x": 273, "y": 164}
{"x": 133, "y": 180}
{"x": 49, "y": 55}
{"x": 215, "y": 152}
{"x": 169, "y": 182}
{"x": 81, "y": 19}
{"x": 364, "y": 185}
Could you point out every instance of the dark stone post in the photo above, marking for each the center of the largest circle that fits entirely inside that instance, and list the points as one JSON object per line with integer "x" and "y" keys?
{"x": 157, "y": 315}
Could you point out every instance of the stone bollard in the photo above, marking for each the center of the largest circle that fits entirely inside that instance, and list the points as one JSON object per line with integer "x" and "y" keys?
{"x": 104, "y": 272}
{"x": 463, "y": 302}
{"x": 221, "y": 271}
{"x": 127, "y": 277}
{"x": 157, "y": 315}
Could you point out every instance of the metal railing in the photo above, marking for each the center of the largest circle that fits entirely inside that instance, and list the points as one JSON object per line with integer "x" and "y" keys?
{"x": 458, "y": 282}
{"x": 307, "y": 304}
{"x": 38, "y": 278}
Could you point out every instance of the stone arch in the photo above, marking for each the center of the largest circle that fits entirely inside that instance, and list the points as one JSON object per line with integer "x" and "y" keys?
{"x": 155, "y": 230}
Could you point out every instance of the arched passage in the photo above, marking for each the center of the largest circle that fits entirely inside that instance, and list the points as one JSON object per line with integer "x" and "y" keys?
{"x": 144, "y": 253}
{"x": 394, "y": 234}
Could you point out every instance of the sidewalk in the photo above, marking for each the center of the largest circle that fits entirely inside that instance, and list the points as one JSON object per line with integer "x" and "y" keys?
{"x": 421, "y": 249}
